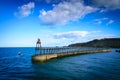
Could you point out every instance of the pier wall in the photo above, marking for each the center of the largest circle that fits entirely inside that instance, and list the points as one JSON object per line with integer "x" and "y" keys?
{"x": 45, "y": 57}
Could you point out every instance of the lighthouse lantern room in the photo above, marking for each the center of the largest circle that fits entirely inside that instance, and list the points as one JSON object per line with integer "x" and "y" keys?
{"x": 38, "y": 44}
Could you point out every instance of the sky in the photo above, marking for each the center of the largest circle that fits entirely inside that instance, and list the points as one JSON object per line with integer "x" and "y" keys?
{"x": 57, "y": 22}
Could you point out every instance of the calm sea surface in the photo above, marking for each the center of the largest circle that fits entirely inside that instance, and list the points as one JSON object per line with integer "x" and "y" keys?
{"x": 99, "y": 66}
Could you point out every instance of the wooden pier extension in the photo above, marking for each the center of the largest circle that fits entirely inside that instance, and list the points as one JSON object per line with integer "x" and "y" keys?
{"x": 50, "y": 53}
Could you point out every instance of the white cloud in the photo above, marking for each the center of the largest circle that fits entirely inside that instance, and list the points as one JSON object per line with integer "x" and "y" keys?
{"x": 108, "y": 4}
{"x": 52, "y": 1}
{"x": 100, "y": 21}
{"x": 70, "y": 34}
{"x": 66, "y": 38}
{"x": 97, "y": 31}
{"x": 108, "y": 36}
{"x": 25, "y": 10}
{"x": 106, "y": 21}
{"x": 110, "y": 22}
{"x": 65, "y": 12}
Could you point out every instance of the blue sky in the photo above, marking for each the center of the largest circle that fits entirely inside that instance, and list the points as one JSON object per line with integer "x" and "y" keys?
{"x": 57, "y": 22}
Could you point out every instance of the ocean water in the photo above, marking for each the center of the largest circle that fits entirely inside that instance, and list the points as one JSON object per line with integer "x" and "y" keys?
{"x": 98, "y": 66}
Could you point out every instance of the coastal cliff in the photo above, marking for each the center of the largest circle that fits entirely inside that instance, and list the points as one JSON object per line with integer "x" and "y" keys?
{"x": 104, "y": 42}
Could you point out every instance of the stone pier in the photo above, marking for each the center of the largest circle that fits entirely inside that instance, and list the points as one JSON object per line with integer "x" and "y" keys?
{"x": 50, "y": 53}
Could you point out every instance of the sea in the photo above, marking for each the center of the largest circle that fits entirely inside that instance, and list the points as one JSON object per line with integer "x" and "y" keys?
{"x": 97, "y": 66}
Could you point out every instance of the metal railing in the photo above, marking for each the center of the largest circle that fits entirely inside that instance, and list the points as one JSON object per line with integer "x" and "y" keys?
{"x": 59, "y": 50}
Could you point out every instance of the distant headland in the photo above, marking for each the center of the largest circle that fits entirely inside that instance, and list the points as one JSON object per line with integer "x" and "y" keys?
{"x": 104, "y": 42}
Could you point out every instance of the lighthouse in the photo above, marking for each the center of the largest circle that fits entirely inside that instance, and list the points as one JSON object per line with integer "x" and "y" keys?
{"x": 38, "y": 44}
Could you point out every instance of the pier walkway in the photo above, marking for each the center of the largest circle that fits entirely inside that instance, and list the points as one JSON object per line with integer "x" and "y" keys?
{"x": 43, "y": 54}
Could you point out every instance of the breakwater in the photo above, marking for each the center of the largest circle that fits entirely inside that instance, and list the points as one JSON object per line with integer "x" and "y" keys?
{"x": 45, "y": 54}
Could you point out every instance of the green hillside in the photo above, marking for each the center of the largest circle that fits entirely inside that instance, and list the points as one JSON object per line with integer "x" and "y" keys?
{"x": 105, "y": 42}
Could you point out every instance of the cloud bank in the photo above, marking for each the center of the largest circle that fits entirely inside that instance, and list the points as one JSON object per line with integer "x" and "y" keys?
{"x": 25, "y": 10}
{"x": 72, "y": 10}
{"x": 70, "y": 34}
{"x": 69, "y": 37}
{"x": 73, "y": 34}
{"x": 108, "y": 4}
{"x": 65, "y": 12}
